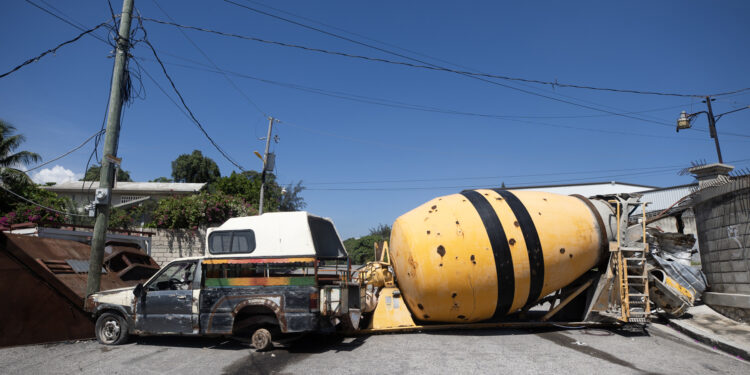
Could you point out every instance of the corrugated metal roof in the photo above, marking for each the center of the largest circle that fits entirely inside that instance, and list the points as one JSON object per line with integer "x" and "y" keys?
{"x": 121, "y": 187}
{"x": 587, "y": 189}
{"x": 661, "y": 199}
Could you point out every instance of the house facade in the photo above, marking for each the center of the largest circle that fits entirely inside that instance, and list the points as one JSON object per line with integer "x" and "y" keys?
{"x": 124, "y": 193}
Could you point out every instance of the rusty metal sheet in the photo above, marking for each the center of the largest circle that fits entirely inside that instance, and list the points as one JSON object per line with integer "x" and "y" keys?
{"x": 43, "y": 294}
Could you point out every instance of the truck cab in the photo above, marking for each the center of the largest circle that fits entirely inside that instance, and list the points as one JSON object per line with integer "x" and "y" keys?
{"x": 261, "y": 277}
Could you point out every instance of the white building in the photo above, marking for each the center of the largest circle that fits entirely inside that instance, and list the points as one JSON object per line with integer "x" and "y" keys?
{"x": 124, "y": 193}
{"x": 589, "y": 189}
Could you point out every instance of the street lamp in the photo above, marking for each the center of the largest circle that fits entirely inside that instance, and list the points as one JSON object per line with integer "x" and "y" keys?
{"x": 685, "y": 119}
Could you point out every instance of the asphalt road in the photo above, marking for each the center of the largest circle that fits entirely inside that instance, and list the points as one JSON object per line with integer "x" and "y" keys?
{"x": 562, "y": 351}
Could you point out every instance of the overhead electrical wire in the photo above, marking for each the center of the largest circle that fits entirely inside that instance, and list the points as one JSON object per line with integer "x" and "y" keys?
{"x": 39, "y": 205}
{"x": 67, "y": 153}
{"x": 507, "y": 78}
{"x": 402, "y": 49}
{"x": 373, "y": 100}
{"x": 205, "y": 55}
{"x": 516, "y": 185}
{"x": 79, "y": 26}
{"x": 189, "y": 111}
{"x": 468, "y": 74}
{"x": 418, "y": 107}
{"x": 52, "y": 50}
{"x": 726, "y": 94}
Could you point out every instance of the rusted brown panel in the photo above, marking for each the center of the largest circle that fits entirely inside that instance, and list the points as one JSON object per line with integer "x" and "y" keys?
{"x": 34, "y": 312}
{"x": 38, "y": 304}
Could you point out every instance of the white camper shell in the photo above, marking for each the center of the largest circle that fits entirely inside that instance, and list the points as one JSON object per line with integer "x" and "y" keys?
{"x": 275, "y": 234}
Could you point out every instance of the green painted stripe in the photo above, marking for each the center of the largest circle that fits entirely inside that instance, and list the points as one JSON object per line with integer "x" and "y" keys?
{"x": 240, "y": 282}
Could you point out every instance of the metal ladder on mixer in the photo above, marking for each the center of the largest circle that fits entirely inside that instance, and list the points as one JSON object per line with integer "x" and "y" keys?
{"x": 632, "y": 273}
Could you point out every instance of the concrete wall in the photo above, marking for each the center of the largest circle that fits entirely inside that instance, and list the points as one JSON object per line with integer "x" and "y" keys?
{"x": 723, "y": 218}
{"x": 169, "y": 244}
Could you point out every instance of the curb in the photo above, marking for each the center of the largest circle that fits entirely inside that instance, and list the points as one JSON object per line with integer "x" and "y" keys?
{"x": 709, "y": 339}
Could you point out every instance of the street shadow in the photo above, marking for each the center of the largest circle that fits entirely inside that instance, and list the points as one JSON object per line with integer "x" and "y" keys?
{"x": 319, "y": 343}
{"x": 218, "y": 343}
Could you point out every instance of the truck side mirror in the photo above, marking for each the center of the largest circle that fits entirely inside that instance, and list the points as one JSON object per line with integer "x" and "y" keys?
{"x": 138, "y": 291}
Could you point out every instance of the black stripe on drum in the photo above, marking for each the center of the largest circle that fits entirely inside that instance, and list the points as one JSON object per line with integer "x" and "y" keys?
{"x": 506, "y": 285}
{"x": 533, "y": 245}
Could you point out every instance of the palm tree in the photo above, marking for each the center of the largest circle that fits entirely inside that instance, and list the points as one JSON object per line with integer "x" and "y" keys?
{"x": 10, "y": 160}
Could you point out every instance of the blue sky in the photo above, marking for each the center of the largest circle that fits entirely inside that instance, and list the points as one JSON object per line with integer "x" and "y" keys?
{"x": 366, "y": 164}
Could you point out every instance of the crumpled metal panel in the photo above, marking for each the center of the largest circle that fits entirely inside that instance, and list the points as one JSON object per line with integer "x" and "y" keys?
{"x": 686, "y": 276}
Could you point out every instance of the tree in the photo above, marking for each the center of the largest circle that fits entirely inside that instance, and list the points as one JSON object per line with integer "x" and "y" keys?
{"x": 362, "y": 250}
{"x": 290, "y": 198}
{"x": 162, "y": 179}
{"x": 195, "y": 168}
{"x": 247, "y": 186}
{"x": 93, "y": 173}
{"x": 10, "y": 160}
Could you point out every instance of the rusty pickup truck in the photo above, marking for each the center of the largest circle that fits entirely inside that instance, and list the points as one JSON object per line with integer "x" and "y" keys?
{"x": 263, "y": 277}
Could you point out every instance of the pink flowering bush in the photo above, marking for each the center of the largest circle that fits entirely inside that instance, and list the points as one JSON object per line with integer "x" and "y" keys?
{"x": 193, "y": 211}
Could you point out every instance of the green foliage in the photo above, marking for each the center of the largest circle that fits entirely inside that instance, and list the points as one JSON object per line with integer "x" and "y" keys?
{"x": 291, "y": 199}
{"x": 94, "y": 171}
{"x": 14, "y": 210}
{"x": 247, "y": 186}
{"x": 382, "y": 230}
{"x": 162, "y": 179}
{"x": 362, "y": 250}
{"x": 9, "y": 160}
{"x": 132, "y": 217}
{"x": 195, "y": 168}
{"x": 193, "y": 211}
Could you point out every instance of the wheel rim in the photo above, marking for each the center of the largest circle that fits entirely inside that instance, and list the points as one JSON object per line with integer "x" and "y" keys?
{"x": 261, "y": 339}
{"x": 110, "y": 331}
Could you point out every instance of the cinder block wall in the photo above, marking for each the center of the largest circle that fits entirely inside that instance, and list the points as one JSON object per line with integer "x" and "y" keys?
{"x": 169, "y": 244}
{"x": 723, "y": 220}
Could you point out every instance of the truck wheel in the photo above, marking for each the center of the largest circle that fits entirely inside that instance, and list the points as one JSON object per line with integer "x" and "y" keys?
{"x": 111, "y": 329}
{"x": 262, "y": 339}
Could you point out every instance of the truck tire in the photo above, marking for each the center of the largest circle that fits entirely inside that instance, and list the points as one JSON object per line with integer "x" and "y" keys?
{"x": 111, "y": 329}
{"x": 262, "y": 339}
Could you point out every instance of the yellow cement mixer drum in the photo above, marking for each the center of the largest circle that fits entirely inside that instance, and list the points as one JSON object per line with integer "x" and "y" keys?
{"x": 485, "y": 253}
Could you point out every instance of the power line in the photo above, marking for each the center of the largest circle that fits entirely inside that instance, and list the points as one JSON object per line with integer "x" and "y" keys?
{"x": 507, "y": 78}
{"x": 435, "y": 68}
{"x": 185, "y": 106}
{"x": 67, "y": 153}
{"x": 670, "y": 167}
{"x": 517, "y": 185}
{"x": 418, "y": 107}
{"x": 52, "y": 50}
{"x": 242, "y": 93}
{"x": 385, "y": 102}
{"x": 406, "y": 50}
{"x": 39, "y": 205}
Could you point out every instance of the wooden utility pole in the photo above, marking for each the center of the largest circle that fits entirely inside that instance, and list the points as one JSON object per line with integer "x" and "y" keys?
{"x": 712, "y": 128}
{"x": 107, "y": 172}
{"x": 265, "y": 165}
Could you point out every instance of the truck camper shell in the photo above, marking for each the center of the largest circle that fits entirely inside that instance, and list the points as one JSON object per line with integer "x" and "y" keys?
{"x": 276, "y": 234}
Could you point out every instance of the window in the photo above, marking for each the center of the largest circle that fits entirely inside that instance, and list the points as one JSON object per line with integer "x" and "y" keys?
{"x": 325, "y": 238}
{"x": 229, "y": 242}
{"x": 178, "y": 276}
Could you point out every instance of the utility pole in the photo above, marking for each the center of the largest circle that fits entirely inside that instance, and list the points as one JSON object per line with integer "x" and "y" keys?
{"x": 107, "y": 175}
{"x": 712, "y": 128}
{"x": 265, "y": 165}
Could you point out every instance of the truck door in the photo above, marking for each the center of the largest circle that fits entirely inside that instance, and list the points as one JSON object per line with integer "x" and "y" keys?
{"x": 167, "y": 305}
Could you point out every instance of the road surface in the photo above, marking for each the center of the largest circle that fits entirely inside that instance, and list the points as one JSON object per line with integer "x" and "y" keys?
{"x": 562, "y": 351}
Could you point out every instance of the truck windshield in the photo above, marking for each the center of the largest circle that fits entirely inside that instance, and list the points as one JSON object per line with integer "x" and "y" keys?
{"x": 231, "y": 241}
{"x": 325, "y": 238}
